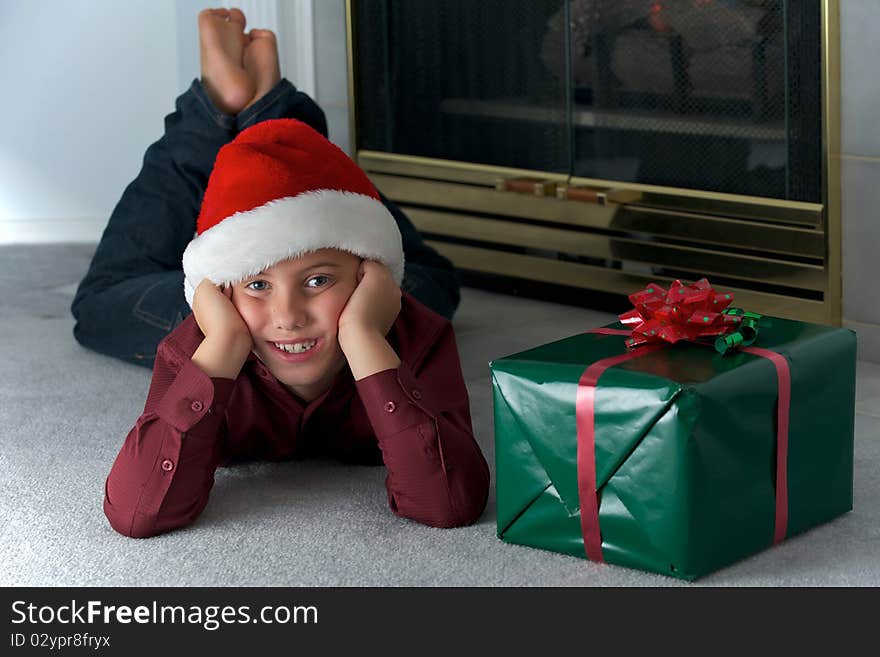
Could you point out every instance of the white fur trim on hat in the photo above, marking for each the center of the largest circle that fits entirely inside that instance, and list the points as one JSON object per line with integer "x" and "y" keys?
{"x": 247, "y": 243}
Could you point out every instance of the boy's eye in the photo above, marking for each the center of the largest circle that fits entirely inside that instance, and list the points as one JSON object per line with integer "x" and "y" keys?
{"x": 318, "y": 281}
{"x": 257, "y": 283}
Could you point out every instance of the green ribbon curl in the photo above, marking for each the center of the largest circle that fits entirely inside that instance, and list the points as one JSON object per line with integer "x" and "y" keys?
{"x": 744, "y": 336}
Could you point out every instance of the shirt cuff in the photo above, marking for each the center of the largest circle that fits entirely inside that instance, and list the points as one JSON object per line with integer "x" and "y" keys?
{"x": 394, "y": 401}
{"x": 192, "y": 396}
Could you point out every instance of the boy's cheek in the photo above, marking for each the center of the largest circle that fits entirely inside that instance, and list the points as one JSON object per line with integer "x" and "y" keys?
{"x": 340, "y": 303}
{"x": 247, "y": 314}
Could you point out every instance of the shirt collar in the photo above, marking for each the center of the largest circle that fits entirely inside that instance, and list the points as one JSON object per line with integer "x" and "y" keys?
{"x": 342, "y": 386}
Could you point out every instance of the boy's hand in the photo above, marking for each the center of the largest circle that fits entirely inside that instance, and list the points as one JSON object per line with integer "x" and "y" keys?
{"x": 215, "y": 314}
{"x": 374, "y": 304}
{"x": 366, "y": 320}
{"x": 227, "y": 340}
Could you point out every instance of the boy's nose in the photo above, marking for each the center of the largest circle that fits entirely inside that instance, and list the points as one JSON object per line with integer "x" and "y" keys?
{"x": 289, "y": 315}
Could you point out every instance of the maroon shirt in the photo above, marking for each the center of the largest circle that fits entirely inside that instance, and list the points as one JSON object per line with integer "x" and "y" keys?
{"x": 415, "y": 419}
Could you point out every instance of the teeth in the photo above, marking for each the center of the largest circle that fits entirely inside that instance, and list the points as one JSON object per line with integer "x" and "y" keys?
{"x": 296, "y": 348}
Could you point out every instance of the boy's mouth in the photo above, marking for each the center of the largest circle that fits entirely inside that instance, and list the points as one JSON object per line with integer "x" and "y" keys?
{"x": 295, "y": 352}
{"x": 295, "y": 347}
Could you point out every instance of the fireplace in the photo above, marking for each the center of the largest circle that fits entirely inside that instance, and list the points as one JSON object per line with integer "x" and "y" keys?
{"x": 604, "y": 144}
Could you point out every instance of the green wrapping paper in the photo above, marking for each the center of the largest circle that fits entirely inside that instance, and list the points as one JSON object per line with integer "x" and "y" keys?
{"x": 685, "y": 446}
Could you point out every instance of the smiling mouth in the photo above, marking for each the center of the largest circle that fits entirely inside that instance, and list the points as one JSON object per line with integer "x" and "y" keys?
{"x": 295, "y": 347}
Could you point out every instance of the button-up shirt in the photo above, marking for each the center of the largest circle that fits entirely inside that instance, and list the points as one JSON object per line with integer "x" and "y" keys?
{"x": 415, "y": 419}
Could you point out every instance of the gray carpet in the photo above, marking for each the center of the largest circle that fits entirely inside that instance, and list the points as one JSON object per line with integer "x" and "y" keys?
{"x": 64, "y": 412}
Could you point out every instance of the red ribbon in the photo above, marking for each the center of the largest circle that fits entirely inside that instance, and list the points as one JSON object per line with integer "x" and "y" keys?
{"x": 585, "y": 416}
{"x": 783, "y": 378}
{"x": 586, "y": 439}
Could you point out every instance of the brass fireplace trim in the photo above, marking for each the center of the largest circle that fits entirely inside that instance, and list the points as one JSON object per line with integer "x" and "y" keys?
{"x": 687, "y": 200}
{"x": 831, "y": 184}
{"x": 797, "y": 245}
{"x": 709, "y": 229}
{"x": 607, "y": 280}
{"x": 657, "y": 253}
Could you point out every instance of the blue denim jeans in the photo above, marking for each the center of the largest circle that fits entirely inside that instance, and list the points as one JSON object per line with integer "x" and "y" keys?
{"x": 132, "y": 295}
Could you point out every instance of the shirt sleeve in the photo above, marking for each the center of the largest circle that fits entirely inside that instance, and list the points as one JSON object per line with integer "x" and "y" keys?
{"x": 437, "y": 474}
{"x": 164, "y": 472}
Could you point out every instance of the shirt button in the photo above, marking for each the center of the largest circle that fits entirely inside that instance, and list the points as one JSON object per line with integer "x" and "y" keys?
{"x": 167, "y": 465}
{"x": 417, "y": 394}
{"x": 390, "y": 407}
{"x": 196, "y": 406}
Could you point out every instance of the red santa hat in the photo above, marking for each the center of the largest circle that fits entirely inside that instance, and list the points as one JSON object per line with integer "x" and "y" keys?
{"x": 277, "y": 191}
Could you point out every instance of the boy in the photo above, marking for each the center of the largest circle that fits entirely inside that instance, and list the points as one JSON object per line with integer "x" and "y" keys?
{"x": 300, "y": 344}
{"x": 131, "y": 296}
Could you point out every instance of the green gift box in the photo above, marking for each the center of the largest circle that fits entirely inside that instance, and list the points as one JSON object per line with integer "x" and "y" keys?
{"x": 694, "y": 464}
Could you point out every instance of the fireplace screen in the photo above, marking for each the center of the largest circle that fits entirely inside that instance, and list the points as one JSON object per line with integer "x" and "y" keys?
{"x": 714, "y": 95}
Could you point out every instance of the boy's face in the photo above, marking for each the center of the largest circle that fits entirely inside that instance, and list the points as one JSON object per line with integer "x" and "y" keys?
{"x": 298, "y": 302}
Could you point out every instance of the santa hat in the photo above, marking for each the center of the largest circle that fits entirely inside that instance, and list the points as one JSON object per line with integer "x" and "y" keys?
{"x": 280, "y": 190}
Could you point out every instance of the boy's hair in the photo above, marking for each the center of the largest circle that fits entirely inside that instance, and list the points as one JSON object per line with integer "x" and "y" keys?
{"x": 277, "y": 191}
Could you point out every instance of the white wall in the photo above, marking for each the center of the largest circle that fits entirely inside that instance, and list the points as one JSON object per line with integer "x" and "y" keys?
{"x": 860, "y": 170}
{"x": 86, "y": 84}
{"x": 93, "y": 81}
{"x": 331, "y": 69}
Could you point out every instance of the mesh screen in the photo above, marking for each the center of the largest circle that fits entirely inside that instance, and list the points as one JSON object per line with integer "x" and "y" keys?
{"x": 461, "y": 80}
{"x": 717, "y": 95}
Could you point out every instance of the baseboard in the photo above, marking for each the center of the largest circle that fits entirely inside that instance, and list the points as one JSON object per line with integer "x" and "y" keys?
{"x": 42, "y": 231}
{"x": 869, "y": 339}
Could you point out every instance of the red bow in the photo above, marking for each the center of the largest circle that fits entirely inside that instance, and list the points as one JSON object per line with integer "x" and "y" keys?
{"x": 684, "y": 312}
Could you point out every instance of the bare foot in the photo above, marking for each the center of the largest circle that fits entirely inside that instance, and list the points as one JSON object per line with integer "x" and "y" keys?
{"x": 222, "y": 44}
{"x": 261, "y": 62}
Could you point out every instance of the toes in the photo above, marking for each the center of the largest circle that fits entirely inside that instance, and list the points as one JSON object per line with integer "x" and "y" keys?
{"x": 207, "y": 13}
{"x": 261, "y": 54}
{"x": 236, "y": 15}
{"x": 262, "y": 34}
{"x": 211, "y": 19}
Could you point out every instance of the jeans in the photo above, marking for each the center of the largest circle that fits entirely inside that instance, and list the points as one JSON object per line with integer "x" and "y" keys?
{"x": 132, "y": 295}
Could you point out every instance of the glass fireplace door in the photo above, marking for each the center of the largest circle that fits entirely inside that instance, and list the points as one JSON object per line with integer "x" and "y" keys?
{"x": 713, "y": 95}
{"x": 464, "y": 81}
{"x": 607, "y": 144}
